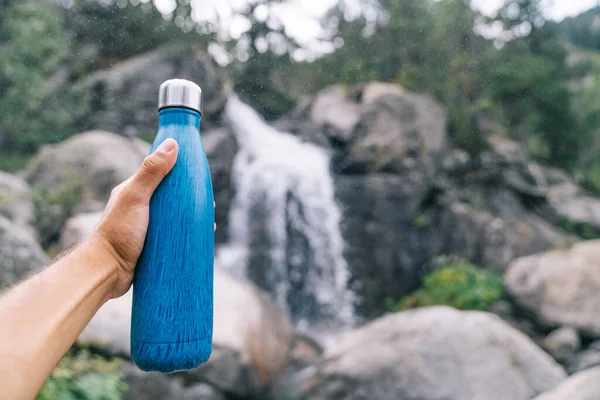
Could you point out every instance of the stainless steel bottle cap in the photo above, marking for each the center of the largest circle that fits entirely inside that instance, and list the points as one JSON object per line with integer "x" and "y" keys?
{"x": 180, "y": 93}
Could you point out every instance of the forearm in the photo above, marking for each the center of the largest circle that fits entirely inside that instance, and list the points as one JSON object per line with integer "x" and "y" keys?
{"x": 43, "y": 316}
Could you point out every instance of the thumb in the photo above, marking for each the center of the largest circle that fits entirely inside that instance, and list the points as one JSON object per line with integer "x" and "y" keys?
{"x": 154, "y": 168}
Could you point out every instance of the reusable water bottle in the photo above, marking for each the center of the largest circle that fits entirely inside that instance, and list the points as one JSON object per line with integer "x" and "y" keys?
{"x": 172, "y": 316}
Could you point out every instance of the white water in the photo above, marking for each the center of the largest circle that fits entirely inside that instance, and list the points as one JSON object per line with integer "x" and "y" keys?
{"x": 271, "y": 168}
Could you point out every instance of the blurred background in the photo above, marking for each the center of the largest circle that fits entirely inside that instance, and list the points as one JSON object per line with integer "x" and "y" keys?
{"x": 407, "y": 190}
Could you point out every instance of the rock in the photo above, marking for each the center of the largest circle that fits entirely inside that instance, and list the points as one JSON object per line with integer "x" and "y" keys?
{"x": 576, "y": 209}
{"x": 433, "y": 353}
{"x": 254, "y": 333}
{"x": 20, "y": 253}
{"x": 562, "y": 343}
{"x": 15, "y": 199}
{"x": 109, "y": 329}
{"x": 381, "y": 251}
{"x": 78, "y": 174}
{"x": 251, "y": 337}
{"x": 78, "y": 228}
{"x": 304, "y": 352}
{"x": 98, "y": 160}
{"x": 333, "y": 107}
{"x": 157, "y": 386}
{"x": 582, "y": 386}
{"x": 586, "y": 359}
{"x": 221, "y": 147}
{"x": 560, "y": 287}
{"x": 393, "y": 124}
{"x": 371, "y": 127}
{"x": 503, "y": 309}
{"x": 396, "y": 225}
{"x": 494, "y": 235}
{"x": 124, "y": 98}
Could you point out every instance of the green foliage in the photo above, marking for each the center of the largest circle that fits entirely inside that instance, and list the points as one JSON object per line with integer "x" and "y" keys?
{"x": 52, "y": 207}
{"x": 528, "y": 81}
{"x": 108, "y": 31}
{"x": 13, "y": 162}
{"x": 582, "y": 30}
{"x": 32, "y": 51}
{"x": 460, "y": 285}
{"x": 84, "y": 376}
{"x": 581, "y": 229}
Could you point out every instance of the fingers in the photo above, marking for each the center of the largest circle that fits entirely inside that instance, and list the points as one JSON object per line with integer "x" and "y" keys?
{"x": 154, "y": 168}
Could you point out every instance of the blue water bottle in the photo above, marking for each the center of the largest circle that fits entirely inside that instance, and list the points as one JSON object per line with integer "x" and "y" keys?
{"x": 172, "y": 316}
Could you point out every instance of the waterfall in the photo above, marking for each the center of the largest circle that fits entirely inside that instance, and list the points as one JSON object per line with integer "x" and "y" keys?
{"x": 284, "y": 221}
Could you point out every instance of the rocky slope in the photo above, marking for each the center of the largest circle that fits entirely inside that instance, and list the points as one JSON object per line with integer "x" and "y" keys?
{"x": 406, "y": 198}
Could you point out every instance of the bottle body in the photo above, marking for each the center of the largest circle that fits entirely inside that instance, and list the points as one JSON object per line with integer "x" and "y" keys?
{"x": 172, "y": 311}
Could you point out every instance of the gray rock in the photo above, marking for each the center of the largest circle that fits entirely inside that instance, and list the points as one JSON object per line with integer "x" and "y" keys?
{"x": 585, "y": 359}
{"x": 78, "y": 228}
{"x": 562, "y": 343}
{"x": 333, "y": 107}
{"x": 395, "y": 225}
{"x": 99, "y": 160}
{"x": 435, "y": 353}
{"x": 20, "y": 253}
{"x": 124, "y": 97}
{"x": 15, "y": 199}
{"x": 251, "y": 337}
{"x": 560, "y": 287}
{"x": 393, "y": 124}
{"x": 582, "y": 386}
{"x": 157, "y": 386}
{"x": 78, "y": 174}
{"x": 381, "y": 249}
{"x": 220, "y": 146}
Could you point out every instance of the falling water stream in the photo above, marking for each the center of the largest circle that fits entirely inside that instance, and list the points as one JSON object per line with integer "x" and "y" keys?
{"x": 284, "y": 221}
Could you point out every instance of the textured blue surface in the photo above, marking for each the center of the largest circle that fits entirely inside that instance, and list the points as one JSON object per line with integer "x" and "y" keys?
{"x": 172, "y": 317}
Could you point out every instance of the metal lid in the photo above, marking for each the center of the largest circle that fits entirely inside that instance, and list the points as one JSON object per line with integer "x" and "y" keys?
{"x": 180, "y": 93}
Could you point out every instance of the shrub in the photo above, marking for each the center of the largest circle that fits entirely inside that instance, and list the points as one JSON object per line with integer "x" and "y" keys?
{"x": 83, "y": 376}
{"x": 52, "y": 207}
{"x": 463, "y": 286}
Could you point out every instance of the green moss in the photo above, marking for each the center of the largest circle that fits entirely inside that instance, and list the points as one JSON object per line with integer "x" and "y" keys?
{"x": 581, "y": 229}
{"x": 84, "y": 376}
{"x": 462, "y": 286}
{"x": 52, "y": 207}
{"x": 421, "y": 220}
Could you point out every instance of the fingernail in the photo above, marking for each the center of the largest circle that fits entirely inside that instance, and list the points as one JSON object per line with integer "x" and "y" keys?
{"x": 167, "y": 146}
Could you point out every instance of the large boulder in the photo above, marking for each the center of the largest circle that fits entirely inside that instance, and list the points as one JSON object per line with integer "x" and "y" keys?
{"x": 78, "y": 174}
{"x": 562, "y": 343}
{"x": 560, "y": 287}
{"x": 437, "y": 353}
{"x": 582, "y": 386}
{"x": 586, "y": 359}
{"x": 78, "y": 228}
{"x": 15, "y": 199}
{"x": 251, "y": 337}
{"x": 124, "y": 98}
{"x": 97, "y": 160}
{"x": 20, "y": 253}
{"x": 373, "y": 126}
{"x": 157, "y": 386}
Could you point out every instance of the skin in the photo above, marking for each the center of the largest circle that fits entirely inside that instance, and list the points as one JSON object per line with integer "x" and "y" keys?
{"x": 43, "y": 316}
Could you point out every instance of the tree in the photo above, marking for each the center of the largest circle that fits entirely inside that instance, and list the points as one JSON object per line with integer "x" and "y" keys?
{"x": 115, "y": 30}
{"x": 528, "y": 81}
{"x": 31, "y": 55}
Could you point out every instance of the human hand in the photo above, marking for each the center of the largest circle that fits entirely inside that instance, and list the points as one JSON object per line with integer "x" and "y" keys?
{"x": 122, "y": 230}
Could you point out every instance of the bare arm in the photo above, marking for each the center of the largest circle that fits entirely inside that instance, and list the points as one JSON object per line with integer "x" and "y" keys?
{"x": 43, "y": 316}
